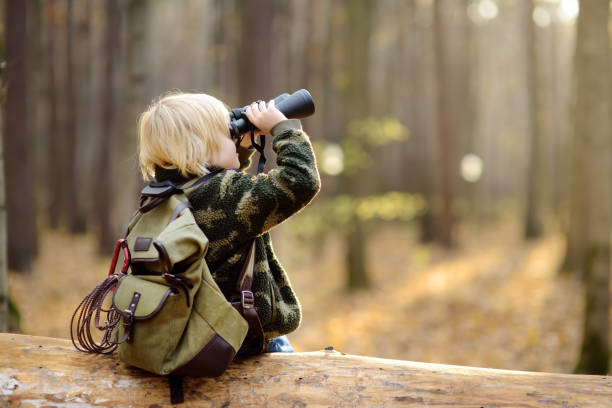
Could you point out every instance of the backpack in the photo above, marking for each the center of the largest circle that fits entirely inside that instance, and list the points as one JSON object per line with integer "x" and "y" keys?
{"x": 168, "y": 316}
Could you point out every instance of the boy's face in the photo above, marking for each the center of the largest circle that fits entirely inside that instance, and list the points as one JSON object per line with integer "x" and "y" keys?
{"x": 227, "y": 156}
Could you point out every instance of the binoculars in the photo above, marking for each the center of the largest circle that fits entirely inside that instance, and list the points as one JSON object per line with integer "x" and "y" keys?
{"x": 296, "y": 105}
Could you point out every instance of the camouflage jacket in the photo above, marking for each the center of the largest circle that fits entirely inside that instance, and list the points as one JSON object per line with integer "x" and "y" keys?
{"x": 234, "y": 207}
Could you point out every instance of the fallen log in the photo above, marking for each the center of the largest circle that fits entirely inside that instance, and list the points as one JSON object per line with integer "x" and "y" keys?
{"x": 40, "y": 371}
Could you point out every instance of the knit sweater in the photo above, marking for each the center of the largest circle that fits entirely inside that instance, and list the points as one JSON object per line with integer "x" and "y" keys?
{"x": 233, "y": 207}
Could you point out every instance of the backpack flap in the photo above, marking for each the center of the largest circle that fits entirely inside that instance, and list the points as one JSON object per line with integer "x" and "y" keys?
{"x": 137, "y": 299}
{"x": 183, "y": 241}
{"x": 151, "y": 299}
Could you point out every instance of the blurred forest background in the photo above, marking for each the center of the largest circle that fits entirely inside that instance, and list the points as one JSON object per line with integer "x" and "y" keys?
{"x": 465, "y": 148}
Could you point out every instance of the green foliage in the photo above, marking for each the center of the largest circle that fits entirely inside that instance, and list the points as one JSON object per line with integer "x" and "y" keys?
{"x": 391, "y": 206}
{"x": 374, "y": 131}
{"x": 337, "y": 213}
{"x": 365, "y": 134}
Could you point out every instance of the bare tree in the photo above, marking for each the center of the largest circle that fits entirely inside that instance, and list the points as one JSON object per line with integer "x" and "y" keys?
{"x": 357, "y": 100}
{"x": 105, "y": 186}
{"x": 577, "y": 230}
{"x": 533, "y": 222}
{"x": 20, "y": 198}
{"x": 36, "y": 101}
{"x": 53, "y": 165}
{"x": 255, "y": 70}
{"x": 445, "y": 138}
{"x": 134, "y": 78}
{"x": 422, "y": 115}
{"x": 593, "y": 150}
{"x": 4, "y": 315}
{"x": 255, "y": 63}
{"x": 84, "y": 121}
{"x": 72, "y": 209}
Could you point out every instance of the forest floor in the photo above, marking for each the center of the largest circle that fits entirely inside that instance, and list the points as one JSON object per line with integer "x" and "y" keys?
{"x": 495, "y": 301}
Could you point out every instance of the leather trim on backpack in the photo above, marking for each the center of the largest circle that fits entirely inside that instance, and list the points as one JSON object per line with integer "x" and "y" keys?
{"x": 142, "y": 243}
{"x": 211, "y": 361}
{"x": 124, "y": 313}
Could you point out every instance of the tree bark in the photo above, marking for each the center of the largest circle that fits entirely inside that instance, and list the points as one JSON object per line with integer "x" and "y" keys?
{"x": 533, "y": 221}
{"x": 135, "y": 76}
{"x": 593, "y": 142}
{"x": 53, "y": 184}
{"x": 255, "y": 63}
{"x": 255, "y": 60}
{"x": 85, "y": 96}
{"x": 37, "y": 132}
{"x": 356, "y": 102}
{"x": 445, "y": 137}
{"x": 422, "y": 123}
{"x": 20, "y": 199}
{"x": 578, "y": 211}
{"x": 4, "y": 314}
{"x": 105, "y": 185}
{"x": 71, "y": 204}
{"x": 50, "y": 372}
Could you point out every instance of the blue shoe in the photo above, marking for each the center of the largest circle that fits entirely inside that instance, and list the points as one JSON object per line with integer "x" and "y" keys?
{"x": 279, "y": 345}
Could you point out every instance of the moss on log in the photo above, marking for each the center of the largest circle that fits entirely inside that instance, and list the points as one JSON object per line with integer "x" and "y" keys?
{"x": 39, "y": 371}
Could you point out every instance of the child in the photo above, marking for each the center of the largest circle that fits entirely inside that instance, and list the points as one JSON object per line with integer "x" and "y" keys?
{"x": 183, "y": 136}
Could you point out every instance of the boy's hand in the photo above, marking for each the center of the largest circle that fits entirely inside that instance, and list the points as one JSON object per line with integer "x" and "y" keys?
{"x": 264, "y": 117}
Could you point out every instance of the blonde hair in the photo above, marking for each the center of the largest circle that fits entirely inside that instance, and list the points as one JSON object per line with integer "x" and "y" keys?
{"x": 182, "y": 131}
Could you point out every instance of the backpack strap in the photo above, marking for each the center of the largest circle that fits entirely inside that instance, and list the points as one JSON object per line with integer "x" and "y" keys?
{"x": 246, "y": 306}
{"x": 178, "y": 209}
{"x": 255, "y": 338}
{"x": 192, "y": 184}
{"x": 245, "y": 279}
{"x": 175, "y": 382}
{"x": 156, "y": 192}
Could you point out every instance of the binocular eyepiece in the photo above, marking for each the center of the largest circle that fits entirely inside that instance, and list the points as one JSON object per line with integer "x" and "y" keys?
{"x": 296, "y": 105}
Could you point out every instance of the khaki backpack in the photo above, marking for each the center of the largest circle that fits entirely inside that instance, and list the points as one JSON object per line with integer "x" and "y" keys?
{"x": 168, "y": 316}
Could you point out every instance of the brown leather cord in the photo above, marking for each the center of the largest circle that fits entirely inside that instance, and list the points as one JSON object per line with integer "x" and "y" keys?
{"x": 91, "y": 306}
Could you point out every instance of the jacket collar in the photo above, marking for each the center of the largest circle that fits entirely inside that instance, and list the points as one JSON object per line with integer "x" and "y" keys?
{"x": 175, "y": 176}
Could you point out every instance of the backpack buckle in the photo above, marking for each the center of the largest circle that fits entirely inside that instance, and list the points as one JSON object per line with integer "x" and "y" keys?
{"x": 128, "y": 317}
{"x": 247, "y": 300}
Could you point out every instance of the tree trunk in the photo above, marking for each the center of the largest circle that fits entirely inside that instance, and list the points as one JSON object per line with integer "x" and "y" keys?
{"x": 85, "y": 95}
{"x": 20, "y": 199}
{"x": 4, "y": 314}
{"x": 422, "y": 124}
{"x": 445, "y": 138}
{"x": 356, "y": 256}
{"x": 533, "y": 222}
{"x": 37, "y": 131}
{"x": 255, "y": 60}
{"x": 255, "y": 64}
{"x": 356, "y": 102}
{"x": 135, "y": 102}
{"x": 592, "y": 133}
{"x": 50, "y": 372}
{"x": 105, "y": 185}
{"x": 578, "y": 211}
{"x": 53, "y": 187}
{"x": 71, "y": 203}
